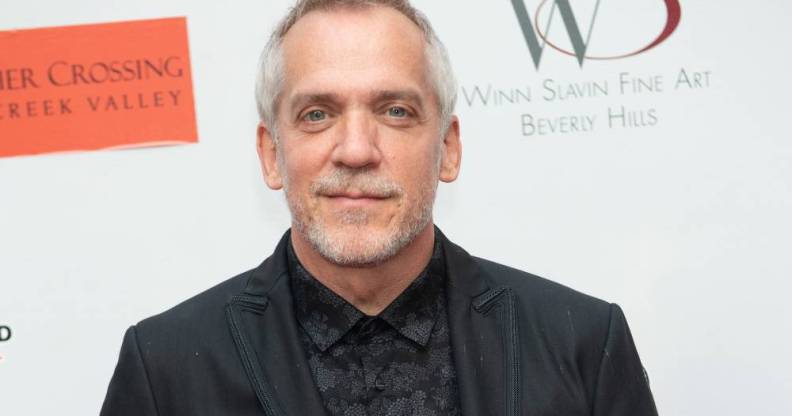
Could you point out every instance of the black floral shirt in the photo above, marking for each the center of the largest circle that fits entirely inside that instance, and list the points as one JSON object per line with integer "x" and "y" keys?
{"x": 396, "y": 363}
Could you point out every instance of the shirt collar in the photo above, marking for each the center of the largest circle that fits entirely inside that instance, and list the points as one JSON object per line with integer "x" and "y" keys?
{"x": 327, "y": 317}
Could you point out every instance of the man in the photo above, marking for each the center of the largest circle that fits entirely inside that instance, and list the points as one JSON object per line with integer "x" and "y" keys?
{"x": 365, "y": 308}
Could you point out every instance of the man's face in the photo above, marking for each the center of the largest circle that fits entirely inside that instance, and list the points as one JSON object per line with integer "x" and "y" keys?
{"x": 359, "y": 152}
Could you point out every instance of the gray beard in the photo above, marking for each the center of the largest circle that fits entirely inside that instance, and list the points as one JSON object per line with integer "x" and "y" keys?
{"x": 362, "y": 249}
{"x": 353, "y": 246}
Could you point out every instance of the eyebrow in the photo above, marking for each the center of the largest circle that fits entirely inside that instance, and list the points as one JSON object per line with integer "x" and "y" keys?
{"x": 410, "y": 96}
{"x": 301, "y": 100}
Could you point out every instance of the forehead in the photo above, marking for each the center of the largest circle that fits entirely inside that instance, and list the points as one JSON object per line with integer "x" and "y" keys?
{"x": 354, "y": 50}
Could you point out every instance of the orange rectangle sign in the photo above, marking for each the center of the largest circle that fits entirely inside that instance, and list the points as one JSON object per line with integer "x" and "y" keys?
{"x": 99, "y": 86}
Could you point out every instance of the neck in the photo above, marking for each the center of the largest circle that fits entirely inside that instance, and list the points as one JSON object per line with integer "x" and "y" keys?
{"x": 370, "y": 289}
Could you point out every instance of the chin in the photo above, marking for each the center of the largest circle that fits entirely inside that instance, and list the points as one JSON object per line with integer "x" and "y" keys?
{"x": 356, "y": 245}
{"x": 360, "y": 244}
{"x": 358, "y": 237}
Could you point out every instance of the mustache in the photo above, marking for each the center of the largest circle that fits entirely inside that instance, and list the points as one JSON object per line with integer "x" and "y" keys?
{"x": 362, "y": 180}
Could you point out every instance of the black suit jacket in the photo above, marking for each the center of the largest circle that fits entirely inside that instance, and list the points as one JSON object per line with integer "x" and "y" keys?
{"x": 522, "y": 345}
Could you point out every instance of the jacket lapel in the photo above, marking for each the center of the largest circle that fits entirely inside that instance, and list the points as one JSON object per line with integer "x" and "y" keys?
{"x": 484, "y": 338}
{"x": 266, "y": 336}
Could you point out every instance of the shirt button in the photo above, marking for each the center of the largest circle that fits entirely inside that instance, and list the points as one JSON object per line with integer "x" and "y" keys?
{"x": 379, "y": 384}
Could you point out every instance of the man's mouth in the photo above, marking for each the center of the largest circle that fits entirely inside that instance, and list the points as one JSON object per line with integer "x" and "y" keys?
{"x": 356, "y": 195}
{"x": 356, "y": 198}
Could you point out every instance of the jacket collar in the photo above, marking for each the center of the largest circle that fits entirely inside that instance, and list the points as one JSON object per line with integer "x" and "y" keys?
{"x": 266, "y": 276}
{"x": 480, "y": 315}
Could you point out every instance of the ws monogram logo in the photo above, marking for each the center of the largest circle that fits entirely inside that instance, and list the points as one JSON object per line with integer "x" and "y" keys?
{"x": 536, "y": 36}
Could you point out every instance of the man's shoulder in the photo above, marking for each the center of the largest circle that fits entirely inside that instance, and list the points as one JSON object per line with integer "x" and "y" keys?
{"x": 179, "y": 346}
{"x": 203, "y": 316}
{"x": 541, "y": 294}
{"x": 560, "y": 316}
{"x": 198, "y": 313}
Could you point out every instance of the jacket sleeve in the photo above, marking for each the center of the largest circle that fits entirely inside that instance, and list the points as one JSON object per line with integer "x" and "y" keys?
{"x": 622, "y": 384}
{"x": 129, "y": 392}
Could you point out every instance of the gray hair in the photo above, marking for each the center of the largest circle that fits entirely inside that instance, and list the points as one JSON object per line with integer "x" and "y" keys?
{"x": 269, "y": 81}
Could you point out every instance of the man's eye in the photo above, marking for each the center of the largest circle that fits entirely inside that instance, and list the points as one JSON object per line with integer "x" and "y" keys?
{"x": 398, "y": 112}
{"x": 315, "y": 116}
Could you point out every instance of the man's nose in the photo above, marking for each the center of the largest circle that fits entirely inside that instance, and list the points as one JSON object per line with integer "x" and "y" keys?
{"x": 357, "y": 142}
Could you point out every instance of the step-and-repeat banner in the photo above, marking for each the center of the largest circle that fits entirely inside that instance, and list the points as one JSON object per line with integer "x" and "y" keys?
{"x": 636, "y": 150}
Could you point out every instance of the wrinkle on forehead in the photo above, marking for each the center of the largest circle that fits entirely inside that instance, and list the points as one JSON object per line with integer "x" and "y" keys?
{"x": 364, "y": 48}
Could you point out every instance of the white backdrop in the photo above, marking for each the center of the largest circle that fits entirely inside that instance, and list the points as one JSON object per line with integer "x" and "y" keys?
{"x": 685, "y": 223}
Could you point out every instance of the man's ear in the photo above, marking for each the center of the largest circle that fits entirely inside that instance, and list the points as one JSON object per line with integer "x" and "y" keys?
{"x": 268, "y": 157}
{"x": 451, "y": 157}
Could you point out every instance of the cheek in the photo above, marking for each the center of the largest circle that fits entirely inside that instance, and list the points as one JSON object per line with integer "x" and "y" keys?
{"x": 417, "y": 169}
{"x": 426, "y": 159}
{"x": 301, "y": 164}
